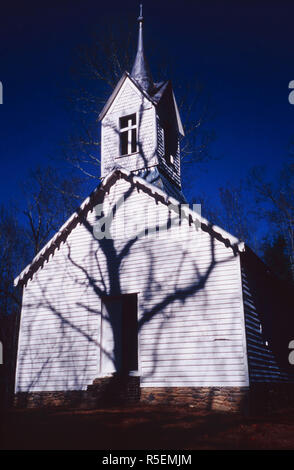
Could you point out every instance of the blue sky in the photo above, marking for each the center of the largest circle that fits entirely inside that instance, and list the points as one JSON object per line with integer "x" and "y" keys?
{"x": 241, "y": 51}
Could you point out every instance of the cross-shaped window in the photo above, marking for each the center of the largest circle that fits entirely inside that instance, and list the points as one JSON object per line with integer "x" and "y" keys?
{"x": 128, "y": 134}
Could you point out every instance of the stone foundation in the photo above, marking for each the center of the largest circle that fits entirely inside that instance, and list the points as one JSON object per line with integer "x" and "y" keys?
{"x": 70, "y": 399}
{"x": 233, "y": 399}
{"x": 108, "y": 391}
{"x": 259, "y": 398}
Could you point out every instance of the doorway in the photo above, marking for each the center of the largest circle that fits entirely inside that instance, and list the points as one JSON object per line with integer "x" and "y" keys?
{"x": 119, "y": 334}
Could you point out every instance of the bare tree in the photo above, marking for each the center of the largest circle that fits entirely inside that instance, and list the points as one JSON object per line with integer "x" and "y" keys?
{"x": 98, "y": 68}
{"x": 274, "y": 254}
{"x": 237, "y": 216}
{"x": 14, "y": 254}
{"x": 275, "y": 201}
{"x": 50, "y": 200}
{"x": 25, "y": 227}
{"x": 233, "y": 210}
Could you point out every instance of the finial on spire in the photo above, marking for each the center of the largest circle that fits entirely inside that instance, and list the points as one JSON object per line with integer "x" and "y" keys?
{"x": 140, "y": 17}
{"x": 140, "y": 71}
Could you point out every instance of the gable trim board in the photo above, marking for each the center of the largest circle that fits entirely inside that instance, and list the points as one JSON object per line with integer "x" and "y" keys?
{"x": 119, "y": 89}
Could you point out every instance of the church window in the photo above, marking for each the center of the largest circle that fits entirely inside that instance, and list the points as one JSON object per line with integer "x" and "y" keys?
{"x": 128, "y": 134}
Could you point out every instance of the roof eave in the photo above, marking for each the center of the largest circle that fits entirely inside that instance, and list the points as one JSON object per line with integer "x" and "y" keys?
{"x": 116, "y": 90}
{"x": 112, "y": 96}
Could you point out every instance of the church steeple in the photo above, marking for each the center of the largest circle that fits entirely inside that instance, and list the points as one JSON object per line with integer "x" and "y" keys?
{"x": 141, "y": 127}
{"x": 140, "y": 71}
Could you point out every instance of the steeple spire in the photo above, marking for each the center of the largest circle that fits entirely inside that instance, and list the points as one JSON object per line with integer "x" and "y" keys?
{"x": 140, "y": 71}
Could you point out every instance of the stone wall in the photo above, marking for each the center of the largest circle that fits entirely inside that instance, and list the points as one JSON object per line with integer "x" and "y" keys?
{"x": 71, "y": 399}
{"x": 232, "y": 399}
{"x": 260, "y": 398}
{"x": 114, "y": 390}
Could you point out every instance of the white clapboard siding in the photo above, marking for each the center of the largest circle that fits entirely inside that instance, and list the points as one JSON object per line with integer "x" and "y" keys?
{"x": 195, "y": 336}
{"x": 58, "y": 343}
{"x": 128, "y": 101}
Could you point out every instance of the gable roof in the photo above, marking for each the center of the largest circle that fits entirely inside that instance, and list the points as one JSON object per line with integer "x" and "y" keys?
{"x": 96, "y": 196}
{"x": 154, "y": 96}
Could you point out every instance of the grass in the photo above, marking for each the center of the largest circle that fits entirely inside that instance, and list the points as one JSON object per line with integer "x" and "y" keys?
{"x": 144, "y": 428}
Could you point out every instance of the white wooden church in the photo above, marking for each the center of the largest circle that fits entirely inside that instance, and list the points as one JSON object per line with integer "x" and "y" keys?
{"x": 137, "y": 295}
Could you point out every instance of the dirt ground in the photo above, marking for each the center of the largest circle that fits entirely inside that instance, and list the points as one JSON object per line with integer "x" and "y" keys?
{"x": 144, "y": 427}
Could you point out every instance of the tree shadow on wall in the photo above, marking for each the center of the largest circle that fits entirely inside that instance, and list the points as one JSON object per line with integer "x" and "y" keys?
{"x": 61, "y": 343}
